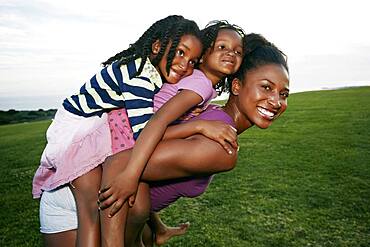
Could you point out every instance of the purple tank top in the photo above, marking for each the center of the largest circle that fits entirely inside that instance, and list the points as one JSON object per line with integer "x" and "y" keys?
{"x": 163, "y": 193}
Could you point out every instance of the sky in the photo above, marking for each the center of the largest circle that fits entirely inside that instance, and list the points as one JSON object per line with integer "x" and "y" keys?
{"x": 48, "y": 49}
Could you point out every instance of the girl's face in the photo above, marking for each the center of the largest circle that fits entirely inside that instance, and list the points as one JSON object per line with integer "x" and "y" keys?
{"x": 226, "y": 55}
{"x": 186, "y": 56}
{"x": 262, "y": 96}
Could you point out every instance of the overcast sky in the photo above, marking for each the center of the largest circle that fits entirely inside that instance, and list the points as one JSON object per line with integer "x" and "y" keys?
{"x": 53, "y": 47}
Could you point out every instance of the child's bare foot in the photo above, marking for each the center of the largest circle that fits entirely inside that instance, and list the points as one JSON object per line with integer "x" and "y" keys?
{"x": 166, "y": 233}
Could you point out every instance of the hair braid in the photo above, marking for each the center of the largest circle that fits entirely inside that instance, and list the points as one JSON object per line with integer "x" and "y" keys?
{"x": 162, "y": 31}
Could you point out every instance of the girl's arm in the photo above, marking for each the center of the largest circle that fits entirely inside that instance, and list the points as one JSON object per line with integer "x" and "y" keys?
{"x": 218, "y": 131}
{"x": 194, "y": 156}
{"x": 124, "y": 185}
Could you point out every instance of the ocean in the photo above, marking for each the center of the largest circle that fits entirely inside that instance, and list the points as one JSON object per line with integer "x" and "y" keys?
{"x": 31, "y": 102}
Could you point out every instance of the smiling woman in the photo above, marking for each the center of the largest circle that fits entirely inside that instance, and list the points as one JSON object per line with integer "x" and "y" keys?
{"x": 258, "y": 96}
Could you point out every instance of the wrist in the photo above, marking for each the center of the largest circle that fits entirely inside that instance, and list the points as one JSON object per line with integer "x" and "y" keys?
{"x": 200, "y": 128}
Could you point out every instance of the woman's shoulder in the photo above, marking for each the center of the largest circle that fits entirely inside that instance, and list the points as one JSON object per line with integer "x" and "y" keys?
{"x": 215, "y": 112}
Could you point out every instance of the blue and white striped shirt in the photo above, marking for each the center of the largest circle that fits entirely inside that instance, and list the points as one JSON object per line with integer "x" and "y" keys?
{"x": 116, "y": 87}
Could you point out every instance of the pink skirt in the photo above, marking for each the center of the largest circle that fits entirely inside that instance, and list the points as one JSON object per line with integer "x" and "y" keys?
{"x": 76, "y": 145}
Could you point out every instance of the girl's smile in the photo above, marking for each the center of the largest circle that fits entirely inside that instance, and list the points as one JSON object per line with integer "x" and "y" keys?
{"x": 225, "y": 56}
{"x": 186, "y": 56}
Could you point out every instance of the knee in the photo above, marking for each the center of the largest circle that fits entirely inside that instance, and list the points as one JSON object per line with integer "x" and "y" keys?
{"x": 86, "y": 203}
{"x": 139, "y": 213}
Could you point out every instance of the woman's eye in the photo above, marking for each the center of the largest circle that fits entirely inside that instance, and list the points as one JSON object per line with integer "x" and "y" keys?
{"x": 221, "y": 47}
{"x": 266, "y": 87}
{"x": 285, "y": 94}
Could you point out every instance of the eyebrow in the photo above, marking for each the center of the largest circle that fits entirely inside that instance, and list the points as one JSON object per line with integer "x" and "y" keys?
{"x": 181, "y": 44}
{"x": 285, "y": 88}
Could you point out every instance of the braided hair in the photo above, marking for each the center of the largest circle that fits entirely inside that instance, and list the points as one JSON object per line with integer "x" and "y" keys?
{"x": 168, "y": 30}
{"x": 258, "y": 52}
{"x": 209, "y": 36}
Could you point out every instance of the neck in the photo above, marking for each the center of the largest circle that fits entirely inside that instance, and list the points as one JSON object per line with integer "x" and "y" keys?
{"x": 214, "y": 77}
{"x": 240, "y": 120}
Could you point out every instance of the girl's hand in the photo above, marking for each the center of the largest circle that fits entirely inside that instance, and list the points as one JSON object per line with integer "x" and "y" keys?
{"x": 220, "y": 132}
{"x": 195, "y": 112}
{"x": 123, "y": 188}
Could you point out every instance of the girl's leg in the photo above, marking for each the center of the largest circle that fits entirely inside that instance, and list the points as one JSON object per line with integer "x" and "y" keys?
{"x": 138, "y": 215}
{"x": 60, "y": 239}
{"x": 148, "y": 236}
{"x": 113, "y": 228}
{"x": 85, "y": 190}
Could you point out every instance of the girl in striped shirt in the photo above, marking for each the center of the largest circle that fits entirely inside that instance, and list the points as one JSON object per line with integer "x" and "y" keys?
{"x": 79, "y": 140}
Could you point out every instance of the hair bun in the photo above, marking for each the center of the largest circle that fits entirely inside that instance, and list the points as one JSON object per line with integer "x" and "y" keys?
{"x": 254, "y": 41}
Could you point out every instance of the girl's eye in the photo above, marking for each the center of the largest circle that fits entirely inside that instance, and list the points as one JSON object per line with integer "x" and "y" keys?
{"x": 239, "y": 53}
{"x": 192, "y": 62}
{"x": 266, "y": 87}
{"x": 221, "y": 47}
{"x": 180, "y": 53}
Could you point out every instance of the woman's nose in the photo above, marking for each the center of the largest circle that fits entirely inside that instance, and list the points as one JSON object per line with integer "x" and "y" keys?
{"x": 274, "y": 101}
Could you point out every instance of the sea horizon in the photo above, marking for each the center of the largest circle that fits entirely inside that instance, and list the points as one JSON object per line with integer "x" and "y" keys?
{"x": 47, "y": 102}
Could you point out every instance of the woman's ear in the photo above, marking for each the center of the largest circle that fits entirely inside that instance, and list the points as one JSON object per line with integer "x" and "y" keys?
{"x": 235, "y": 86}
{"x": 156, "y": 47}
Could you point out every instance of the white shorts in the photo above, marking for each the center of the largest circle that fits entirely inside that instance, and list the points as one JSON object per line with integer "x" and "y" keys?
{"x": 58, "y": 211}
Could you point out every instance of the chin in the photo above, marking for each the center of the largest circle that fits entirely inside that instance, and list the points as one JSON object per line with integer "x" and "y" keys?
{"x": 263, "y": 125}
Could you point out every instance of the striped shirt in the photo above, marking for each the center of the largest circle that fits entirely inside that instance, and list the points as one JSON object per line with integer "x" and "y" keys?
{"x": 116, "y": 87}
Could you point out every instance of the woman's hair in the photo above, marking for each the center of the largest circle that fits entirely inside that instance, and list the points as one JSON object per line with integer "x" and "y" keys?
{"x": 167, "y": 30}
{"x": 209, "y": 36}
{"x": 258, "y": 52}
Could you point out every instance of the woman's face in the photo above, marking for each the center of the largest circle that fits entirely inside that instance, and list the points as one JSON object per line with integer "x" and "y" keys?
{"x": 262, "y": 96}
{"x": 187, "y": 54}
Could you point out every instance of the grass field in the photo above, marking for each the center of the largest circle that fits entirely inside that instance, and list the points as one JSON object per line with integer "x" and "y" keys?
{"x": 303, "y": 182}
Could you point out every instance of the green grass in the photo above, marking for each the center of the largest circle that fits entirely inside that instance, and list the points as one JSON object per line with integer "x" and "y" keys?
{"x": 303, "y": 182}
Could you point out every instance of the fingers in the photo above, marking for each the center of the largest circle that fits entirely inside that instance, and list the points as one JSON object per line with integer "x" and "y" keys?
{"x": 106, "y": 203}
{"x": 104, "y": 194}
{"x": 131, "y": 200}
{"x": 226, "y": 145}
{"x": 115, "y": 208}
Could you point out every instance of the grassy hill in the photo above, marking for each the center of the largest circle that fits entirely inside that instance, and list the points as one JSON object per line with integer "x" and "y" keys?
{"x": 303, "y": 182}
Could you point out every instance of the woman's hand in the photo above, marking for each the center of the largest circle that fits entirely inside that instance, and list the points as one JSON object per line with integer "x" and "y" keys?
{"x": 122, "y": 188}
{"x": 220, "y": 132}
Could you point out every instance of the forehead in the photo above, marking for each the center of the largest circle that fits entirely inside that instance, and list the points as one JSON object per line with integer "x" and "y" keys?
{"x": 228, "y": 34}
{"x": 190, "y": 41}
{"x": 274, "y": 73}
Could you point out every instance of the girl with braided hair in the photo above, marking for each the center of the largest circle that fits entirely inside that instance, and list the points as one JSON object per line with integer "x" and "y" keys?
{"x": 223, "y": 45}
{"x": 79, "y": 138}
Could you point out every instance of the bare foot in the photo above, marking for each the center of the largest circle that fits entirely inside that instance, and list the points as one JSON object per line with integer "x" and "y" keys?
{"x": 164, "y": 234}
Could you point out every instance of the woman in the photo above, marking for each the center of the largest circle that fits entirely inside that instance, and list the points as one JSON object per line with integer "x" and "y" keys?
{"x": 258, "y": 96}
